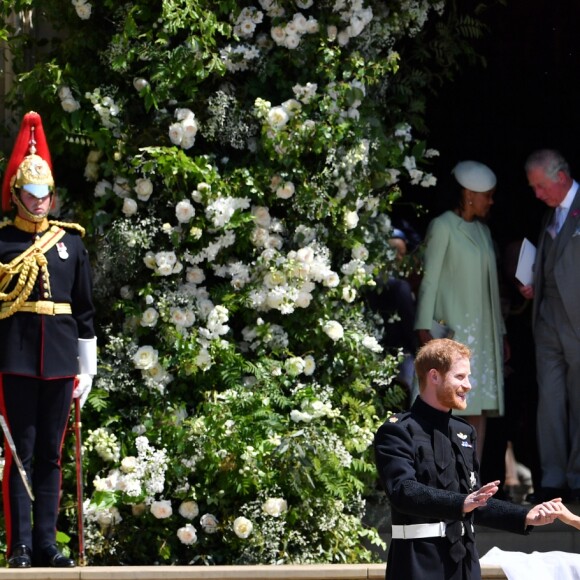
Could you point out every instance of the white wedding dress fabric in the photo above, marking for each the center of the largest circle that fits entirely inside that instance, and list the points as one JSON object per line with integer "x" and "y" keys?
{"x": 535, "y": 566}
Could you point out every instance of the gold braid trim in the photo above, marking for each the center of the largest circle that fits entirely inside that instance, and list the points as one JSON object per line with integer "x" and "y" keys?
{"x": 69, "y": 226}
{"x": 26, "y": 267}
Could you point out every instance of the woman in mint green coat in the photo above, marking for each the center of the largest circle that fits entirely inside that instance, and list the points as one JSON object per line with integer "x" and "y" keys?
{"x": 460, "y": 287}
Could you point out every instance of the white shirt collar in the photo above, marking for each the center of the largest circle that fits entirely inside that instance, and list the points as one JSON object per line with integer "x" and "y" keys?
{"x": 567, "y": 201}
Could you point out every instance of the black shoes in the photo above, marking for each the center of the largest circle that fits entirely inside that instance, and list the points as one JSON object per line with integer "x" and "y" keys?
{"x": 21, "y": 557}
{"x": 54, "y": 559}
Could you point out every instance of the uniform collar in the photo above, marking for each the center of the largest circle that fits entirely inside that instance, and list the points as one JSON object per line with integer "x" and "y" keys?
{"x": 31, "y": 227}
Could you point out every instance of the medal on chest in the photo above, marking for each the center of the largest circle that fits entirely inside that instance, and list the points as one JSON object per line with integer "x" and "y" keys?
{"x": 62, "y": 250}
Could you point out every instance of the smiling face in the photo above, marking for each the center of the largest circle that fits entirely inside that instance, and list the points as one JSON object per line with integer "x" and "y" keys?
{"x": 449, "y": 391}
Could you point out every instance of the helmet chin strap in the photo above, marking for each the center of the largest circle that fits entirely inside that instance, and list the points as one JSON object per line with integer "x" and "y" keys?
{"x": 34, "y": 218}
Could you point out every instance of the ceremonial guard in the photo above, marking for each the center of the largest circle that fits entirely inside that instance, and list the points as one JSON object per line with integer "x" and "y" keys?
{"x": 47, "y": 347}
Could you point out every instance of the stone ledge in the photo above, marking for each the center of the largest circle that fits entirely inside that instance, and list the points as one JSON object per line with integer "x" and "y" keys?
{"x": 284, "y": 572}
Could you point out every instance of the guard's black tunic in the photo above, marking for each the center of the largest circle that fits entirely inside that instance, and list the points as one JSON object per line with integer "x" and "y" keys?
{"x": 427, "y": 465}
{"x": 38, "y": 363}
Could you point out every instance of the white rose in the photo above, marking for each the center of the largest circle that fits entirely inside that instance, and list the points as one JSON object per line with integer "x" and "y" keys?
{"x": 194, "y": 275}
{"x": 145, "y": 358}
{"x": 277, "y": 117}
{"x": 189, "y": 510}
{"x": 176, "y": 133}
{"x": 83, "y": 10}
{"x": 149, "y": 317}
{"x": 309, "y": 365}
{"x": 128, "y": 464}
{"x": 102, "y": 187}
{"x": 70, "y": 105}
{"x": 139, "y": 84}
{"x": 129, "y": 207}
{"x": 161, "y": 509}
{"x": 261, "y": 216}
{"x": 359, "y": 252}
{"x": 348, "y": 294}
{"x": 333, "y": 329}
{"x": 243, "y": 527}
{"x": 184, "y": 211}
{"x": 209, "y": 523}
{"x": 286, "y": 191}
{"x": 331, "y": 280}
{"x": 187, "y": 535}
{"x": 371, "y": 343}
{"x": 294, "y": 366}
{"x": 275, "y": 506}
{"x": 143, "y": 188}
{"x": 351, "y": 219}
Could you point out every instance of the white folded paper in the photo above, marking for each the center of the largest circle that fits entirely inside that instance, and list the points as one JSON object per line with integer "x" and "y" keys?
{"x": 525, "y": 269}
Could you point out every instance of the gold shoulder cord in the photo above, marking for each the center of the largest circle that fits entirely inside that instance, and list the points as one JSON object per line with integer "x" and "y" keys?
{"x": 69, "y": 226}
{"x": 26, "y": 267}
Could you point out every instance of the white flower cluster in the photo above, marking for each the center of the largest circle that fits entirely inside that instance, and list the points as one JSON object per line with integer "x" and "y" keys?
{"x": 106, "y": 518}
{"x": 356, "y": 15}
{"x": 184, "y": 130}
{"x": 104, "y": 443}
{"x": 146, "y": 358}
{"x": 289, "y": 280}
{"x": 290, "y": 34}
{"x": 83, "y": 9}
{"x": 238, "y": 58}
{"x": 272, "y": 336}
{"x": 106, "y": 107}
{"x": 312, "y": 409}
{"x": 220, "y": 211}
{"x": 139, "y": 476}
{"x": 247, "y": 20}
{"x": 305, "y": 93}
{"x": 67, "y": 101}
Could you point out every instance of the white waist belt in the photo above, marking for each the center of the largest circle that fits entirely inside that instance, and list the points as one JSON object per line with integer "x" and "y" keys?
{"x": 416, "y": 531}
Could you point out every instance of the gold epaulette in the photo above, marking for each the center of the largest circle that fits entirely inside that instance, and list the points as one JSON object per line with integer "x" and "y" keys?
{"x": 69, "y": 226}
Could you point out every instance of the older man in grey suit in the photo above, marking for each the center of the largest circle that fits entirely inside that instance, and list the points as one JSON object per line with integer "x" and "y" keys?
{"x": 556, "y": 323}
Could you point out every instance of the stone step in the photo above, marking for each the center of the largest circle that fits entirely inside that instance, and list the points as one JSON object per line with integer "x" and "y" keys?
{"x": 285, "y": 572}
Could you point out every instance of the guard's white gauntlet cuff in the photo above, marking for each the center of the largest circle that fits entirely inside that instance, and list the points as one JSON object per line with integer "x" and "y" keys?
{"x": 88, "y": 356}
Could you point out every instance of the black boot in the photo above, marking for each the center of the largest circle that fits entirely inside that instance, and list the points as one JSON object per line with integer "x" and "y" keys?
{"x": 21, "y": 557}
{"x": 54, "y": 559}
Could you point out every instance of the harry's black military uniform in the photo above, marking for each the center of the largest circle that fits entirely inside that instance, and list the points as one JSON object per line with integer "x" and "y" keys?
{"x": 427, "y": 465}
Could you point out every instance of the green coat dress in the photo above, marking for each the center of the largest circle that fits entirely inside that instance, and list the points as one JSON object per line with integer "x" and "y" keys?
{"x": 460, "y": 286}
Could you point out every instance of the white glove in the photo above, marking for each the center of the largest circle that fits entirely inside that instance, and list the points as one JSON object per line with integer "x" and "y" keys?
{"x": 87, "y": 368}
{"x": 83, "y": 385}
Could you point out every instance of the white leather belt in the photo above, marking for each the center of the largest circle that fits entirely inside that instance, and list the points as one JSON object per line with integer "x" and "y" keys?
{"x": 416, "y": 531}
